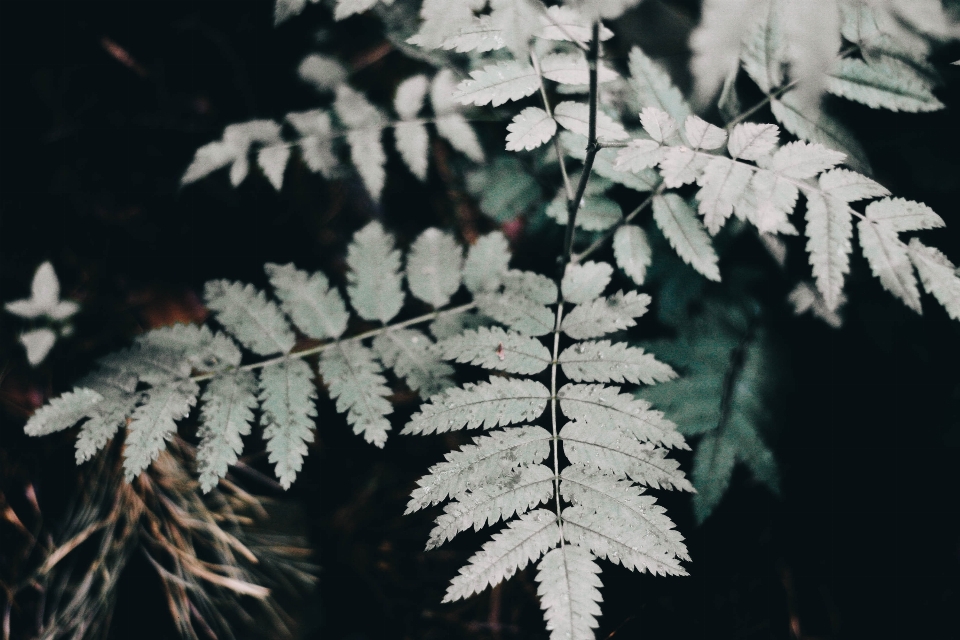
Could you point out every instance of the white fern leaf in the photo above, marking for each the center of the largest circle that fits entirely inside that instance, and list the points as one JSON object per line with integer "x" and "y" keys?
{"x": 523, "y": 541}
{"x": 804, "y": 160}
{"x": 535, "y": 286}
{"x": 569, "y": 592}
{"x": 890, "y": 261}
{"x": 455, "y": 129}
{"x": 487, "y": 261}
{"x": 700, "y": 134}
{"x": 713, "y": 465}
{"x": 515, "y": 491}
{"x": 517, "y": 311}
{"x": 575, "y": 116}
{"x": 374, "y": 277}
{"x": 938, "y": 275}
{"x": 722, "y": 184}
{"x": 226, "y": 412}
{"x": 413, "y": 142}
{"x": 764, "y": 51}
{"x": 658, "y": 124}
{"x": 681, "y": 165}
{"x": 498, "y": 83}
{"x": 606, "y": 361}
{"x": 596, "y": 213}
{"x": 316, "y": 144}
{"x": 154, "y": 422}
{"x": 752, "y": 141}
{"x": 585, "y": 282}
{"x": 273, "y": 162}
{"x": 897, "y": 214}
{"x": 884, "y": 84}
{"x": 529, "y": 129}
{"x": 566, "y": 24}
{"x": 315, "y": 307}
{"x": 44, "y": 298}
{"x": 232, "y": 148}
{"x": 849, "y": 186}
{"x": 814, "y": 125}
{"x": 518, "y": 21}
{"x": 408, "y": 100}
{"x": 499, "y": 402}
{"x": 480, "y": 464}
{"x": 653, "y": 86}
{"x": 480, "y": 34}
{"x": 639, "y": 155}
{"x": 353, "y": 376}
{"x": 599, "y": 491}
{"x": 148, "y": 363}
{"x": 604, "y": 407}
{"x": 198, "y": 346}
{"x": 247, "y": 314}
{"x": 442, "y": 19}
{"x": 632, "y": 252}
{"x": 605, "y": 315}
{"x": 323, "y": 72}
{"x": 829, "y": 229}
{"x": 105, "y": 418}
{"x": 613, "y": 539}
{"x": 768, "y": 201}
{"x": 434, "y": 264}
{"x": 347, "y": 8}
{"x": 354, "y": 109}
{"x": 411, "y": 356}
{"x": 604, "y": 164}
{"x": 494, "y": 348}
{"x": 612, "y": 451}
{"x": 62, "y": 412}
{"x": 287, "y": 394}
{"x": 572, "y": 68}
{"x": 367, "y": 155}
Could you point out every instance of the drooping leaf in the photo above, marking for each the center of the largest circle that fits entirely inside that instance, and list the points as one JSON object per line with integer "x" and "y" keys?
{"x": 829, "y": 230}
{"x": 287, "y": 394}
{"x": 154, "y": 422}
{"x": 890, "y": 261}
{"x": 314, "y": 306}
{"x": 226, "y": 412}
{"x": 374, "y": 277}
{"x": 353, "y": 376}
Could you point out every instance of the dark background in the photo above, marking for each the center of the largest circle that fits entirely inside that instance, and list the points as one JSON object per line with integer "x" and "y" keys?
{"x": 864, "y": 541}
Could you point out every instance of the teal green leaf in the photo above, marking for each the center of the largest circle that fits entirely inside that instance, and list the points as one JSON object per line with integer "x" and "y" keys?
{"x": 316, "y": 308}
{"x": 154, "y": 422}
{"x": 226, "y": 411}
{"x": 353, "y": 376}
{"x": 374, "y": 277}
{"x": 606, "y": 361}
{"x": 287, "y": 396}
{"x": 433, "y": 267}
{"x": 246, "y": 313}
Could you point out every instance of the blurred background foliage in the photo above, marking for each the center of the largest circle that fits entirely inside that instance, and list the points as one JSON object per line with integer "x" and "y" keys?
{"x": 843, "y": 524}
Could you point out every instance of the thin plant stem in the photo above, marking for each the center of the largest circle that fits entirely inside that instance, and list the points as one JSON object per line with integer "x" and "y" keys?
{"x": 568, "y": 187}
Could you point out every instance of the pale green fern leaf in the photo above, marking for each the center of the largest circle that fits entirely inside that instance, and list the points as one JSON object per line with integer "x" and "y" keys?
{"x": 658, "y": 124}
{"x": 604, "y": 165}
{"x": 575, "y": 116}
{"x": 700, "y": 134}
{"x": 564, "y": 23}
{"x": 605, "y": 315}
{"x": 523, "y": 541}
{"x": 752, "y": 141}
{"x": 616, "y": 451}
{"x": 287, "y": 394}
{"x": 434, "y": 265}
{"x": 768, "y": 201}
{"x": 63, "y": 412}
{"x": 585, "y": 282}
{"x": 517, "y": 312}
{"x": 442, "y": 19}
{"x": 486, "y": 263}
{"x": 722, "y": 183}
{"x": 154, "y": 422}
{"x": 354, "y": 379}
{"x": 606, "y": 361}
{"x": 408, "y": 100}
{"x": 529, "y": 129}
{"x": 572, "y": 68}
{"x": 764, "y": 52}
{"x": 514, "y": 492}
{"x": 413, "y": 142}
{"x": 494, "y": 348}
{"x": 106, "y": 418}
{"x": 639, "y": 155}
{"x": 804, "y": 160}
{"x": 480, "y": 464}
{"x": 654, "y": 88}
{"x": 596, "y": 213}
{"x": 152, "y": 364}
{"x": 273, "y": 163}
{"x": 829, "y": 230}
{"x": 616, "y": 540}
{"x": 681, "y": 165}
{"x": 849, "y": 186}
{"x": 200, "y": 347}
{"x": 686, "y": 234}
{"x": 315, "y": 307}
{"x": 226, "y": 412}
{"x": 815, "y": 125}
{"x": 883, "y": 84}
{"x": 455, "y": 129}
{"x": 374, "y": 277}
{"x": 480, "y": 34}
{"x": 897, "y": 214}
{"x": 247, "y": 314}
{"x": 605, "y": 408}
{"x": 569, "y": 592}
{"x": 410, "y": 354}
{"x": 598, "y": 491}
{"x": 632, "y": 252}
{"x": 364, "y": 123}
{"x": 890, "y": 261}
{"x": 499, "y": 402}
{"x": 938, "y": 275}
{"x": 497, "y": 84}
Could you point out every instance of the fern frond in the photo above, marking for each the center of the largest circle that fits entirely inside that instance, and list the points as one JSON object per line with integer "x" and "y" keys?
{"x": 890, "y": 261}
{"x": 938, "y": 274}
{"x": 897, "y": 214}
{"x": 605, "y": 315}
{"x": 686, "y": 234}
{"x": 517, "y": 312}
{"x": 569, "y": 592}
{"x": 154, "y": 422}
{"x": 480, "y": 464}
{"x": 497, "y": 84}
{"x": 722, "y": 183}
{"x": 606, "y": 361}
{"x": 514, "y": 492}
{"x": 413, "y": 143}
{"x": 63, "y": 412}
{"x": 434, "y": 265}
{"x": 653, "y": 86}
{"x": 226, "y": 412}
{"x": 374, "y": 277}
{"x": 499, "y": 402}
{"x": 486, "y": 263}
{"x": 106, "y": 417}
{"x": 575, "y": 116}
{"x": 883, "y": 84}
{"x": 287, "y": 394}
{"x": 198, "y": 346}
{"x": 354, "y": 379}
{"x": 494, "y": 348}
{"x": 529, "y": 129}
{"x": 700, "y": 134}
{"x": 523, "y": 541}
{"x": 411, "y": 356}
{"x": 247, "y": 314}
{"x": 315, "y": 308}
{"x": 814, "y": 125}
